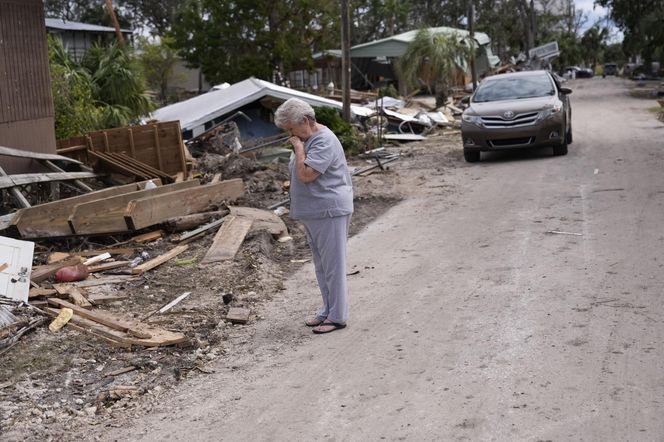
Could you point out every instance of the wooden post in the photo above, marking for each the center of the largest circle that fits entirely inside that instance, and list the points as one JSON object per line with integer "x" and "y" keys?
{"x": 106, "y": 145}
{"x": 157, "y": 147}
{"x": 183, "y": 160}
{"x": 131, "y": 143}
{"x": 471, "y": 31}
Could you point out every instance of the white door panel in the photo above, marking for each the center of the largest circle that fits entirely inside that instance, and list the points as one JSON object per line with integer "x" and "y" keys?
{"x": 15, "y": 278}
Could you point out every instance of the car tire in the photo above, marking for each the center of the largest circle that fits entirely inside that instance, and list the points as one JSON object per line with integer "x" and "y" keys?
{"x": 471, "y": 156}
{"x": 568, "y": 135}
{"x": 560, "y": 150}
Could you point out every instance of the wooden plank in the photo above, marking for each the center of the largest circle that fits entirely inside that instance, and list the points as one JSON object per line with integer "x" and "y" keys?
{"x": 20, "y": 199}
{"x": 36, "y": 292}
{"x": 42, "y": 273}
{"x": 132, "y": 148}
{"x": 150, "y": 211}
{"x": 108, "y": 266}
{"x": 104, "y": 318}
{"x": 17, "y": 153}
{"x": 57, "y": 256}
{"x": 107, "y": 216}
{"x": 263, "y": 219}
{"x": 3, "y": 266}
{"x": 113, "y": 165}
{"x": 74, "y": 293}
{"x": 147, "y": 237}
{"x": 140, "y": 166}
{"x": 23, "y": 179}
{"x": 51, "y": 219}
{"x": 108, "y": 334}
{"x": 180, "y": 143}
{"x": 228, "y": 239}
{"x": 112, "y": 251}
{"x": 80, "y": 184}
{"x": 159, "y": 260}
{"x": 6, "y": 220}
{"x": 159, "y": 337}
{"x": 158, "y": 148}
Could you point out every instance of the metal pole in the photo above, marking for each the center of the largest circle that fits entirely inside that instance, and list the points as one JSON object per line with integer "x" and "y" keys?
{"x": 345, "y": 58}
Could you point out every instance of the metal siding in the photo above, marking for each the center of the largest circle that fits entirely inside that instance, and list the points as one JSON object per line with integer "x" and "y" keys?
{"x": 33, "y": 135}
{"x": 24, "y": 76}
{"x": 26, "y": 106}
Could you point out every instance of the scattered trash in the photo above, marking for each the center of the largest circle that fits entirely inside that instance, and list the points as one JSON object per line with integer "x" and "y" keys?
{"x": 61, "y": 320}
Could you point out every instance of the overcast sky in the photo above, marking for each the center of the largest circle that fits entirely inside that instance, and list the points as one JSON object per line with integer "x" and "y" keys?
{"x": 595, "y": 14}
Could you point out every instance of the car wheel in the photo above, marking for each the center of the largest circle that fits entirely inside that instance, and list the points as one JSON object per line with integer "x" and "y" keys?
{"x": 471, "y": 156}
{"x": 560, "y": 150}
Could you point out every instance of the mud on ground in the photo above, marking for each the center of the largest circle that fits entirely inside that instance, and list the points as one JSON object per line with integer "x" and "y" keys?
{"x": 54, "y": 383}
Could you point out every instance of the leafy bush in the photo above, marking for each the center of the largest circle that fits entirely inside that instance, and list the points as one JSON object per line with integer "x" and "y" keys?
{"x": 347, "y": 134}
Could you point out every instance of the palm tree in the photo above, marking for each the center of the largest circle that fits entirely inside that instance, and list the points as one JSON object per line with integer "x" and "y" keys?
{"x": 593, "y": 41}
{"x": 433, "y": 58}
{"x": 118, "y": 84}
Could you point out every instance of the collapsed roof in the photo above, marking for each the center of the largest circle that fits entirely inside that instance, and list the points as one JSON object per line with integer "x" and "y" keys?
{"x": 196, "y": 112}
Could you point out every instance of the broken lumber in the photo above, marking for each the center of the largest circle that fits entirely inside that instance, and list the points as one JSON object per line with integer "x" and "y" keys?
{"x": 159, "y": 260}
{"x": 112, "y": 251}
{"x": 106, "y": 299}
{"x": 107, "y": 215}
{"x": 51, "y": 219}
{"x": 108, "y": 266}
{"x": 160, "y": 337}
{"x": 76, "y": 296}
{"x": 146, "y": 212}
{"x": 102, "y": 318}
{"x": 36, "y": 292}
{"x": 20, "y": 153}
{"x": 188, "y": 222}
{"x": 57, "y": 256}
{"x": 147, "y": 237}
{"x": 9, "y": 181}
{"x": 96, "y": 259}
{"x": 228, "y": 239}
{"x": 42, "y": 273}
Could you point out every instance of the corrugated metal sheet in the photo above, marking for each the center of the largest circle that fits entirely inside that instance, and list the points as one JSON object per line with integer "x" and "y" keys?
{"x": 25, "y": 91}
{"x": 195, "y": 112}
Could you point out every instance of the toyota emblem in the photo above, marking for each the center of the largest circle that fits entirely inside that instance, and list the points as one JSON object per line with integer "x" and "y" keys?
{"x": 508, "y": 115}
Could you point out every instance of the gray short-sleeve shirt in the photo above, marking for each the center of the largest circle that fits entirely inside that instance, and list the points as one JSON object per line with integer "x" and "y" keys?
{"x": 329, "y": 195}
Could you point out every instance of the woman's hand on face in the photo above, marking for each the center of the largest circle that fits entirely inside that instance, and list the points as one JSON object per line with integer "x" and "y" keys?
{"x": 296, "y": 142}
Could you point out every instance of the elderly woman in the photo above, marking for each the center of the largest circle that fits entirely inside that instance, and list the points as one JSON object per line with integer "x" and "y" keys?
{"x": 322, "y": 199}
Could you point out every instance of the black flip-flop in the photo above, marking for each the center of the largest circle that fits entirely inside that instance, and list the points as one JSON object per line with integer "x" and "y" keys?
{"x": 308, "y": 324}
{"x": 335, "y": 326}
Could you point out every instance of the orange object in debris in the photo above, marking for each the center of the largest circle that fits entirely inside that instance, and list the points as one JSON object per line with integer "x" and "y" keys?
{"x": 72, "y": 273}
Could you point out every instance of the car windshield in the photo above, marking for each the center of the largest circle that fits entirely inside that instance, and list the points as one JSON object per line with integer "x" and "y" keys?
{"x": 514, "y": 88}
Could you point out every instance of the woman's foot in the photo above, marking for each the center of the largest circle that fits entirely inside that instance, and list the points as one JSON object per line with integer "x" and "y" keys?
{"x": 314, "y": 322}
{"x": 328, "y": 326}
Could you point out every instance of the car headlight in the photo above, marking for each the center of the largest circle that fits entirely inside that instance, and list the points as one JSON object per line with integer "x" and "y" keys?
{"x": 472, "y": 119}
{"x": 549, "y": 111}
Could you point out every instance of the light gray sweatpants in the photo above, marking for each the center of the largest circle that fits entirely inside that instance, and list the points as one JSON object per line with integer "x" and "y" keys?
{"x": 327, "y": 239}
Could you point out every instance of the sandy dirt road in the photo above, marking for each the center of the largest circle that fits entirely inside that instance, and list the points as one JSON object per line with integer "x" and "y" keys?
{"x": 468, "y": 320}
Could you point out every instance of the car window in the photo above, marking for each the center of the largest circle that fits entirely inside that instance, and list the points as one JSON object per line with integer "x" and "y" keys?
{"x": 514, "y": 88}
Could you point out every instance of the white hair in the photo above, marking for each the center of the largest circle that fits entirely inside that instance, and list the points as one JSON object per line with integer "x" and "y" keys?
{"x": 292, "y": 111}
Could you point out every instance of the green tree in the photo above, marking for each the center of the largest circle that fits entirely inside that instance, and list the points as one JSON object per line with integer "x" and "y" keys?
{"x": 118, "y": 85}
{"x": 158, "y": 61}
{"x": 594, "y": 42}
{"x": 641, "y": 22}
{"x": 74, "y": 105}
{"x": 231, "y": 41}
{"x": 433, "y": 58}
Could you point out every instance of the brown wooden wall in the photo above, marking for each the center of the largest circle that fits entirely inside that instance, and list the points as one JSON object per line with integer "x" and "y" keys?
{"x": 26, "y": 105}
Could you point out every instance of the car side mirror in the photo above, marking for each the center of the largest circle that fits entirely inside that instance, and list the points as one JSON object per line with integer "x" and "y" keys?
{"x": 466, "y": 99}
{"x": 565, "y": 90}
